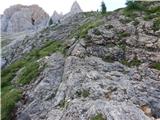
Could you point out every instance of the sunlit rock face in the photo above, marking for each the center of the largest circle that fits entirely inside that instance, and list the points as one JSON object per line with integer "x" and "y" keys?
{"x": 19, "y": 18}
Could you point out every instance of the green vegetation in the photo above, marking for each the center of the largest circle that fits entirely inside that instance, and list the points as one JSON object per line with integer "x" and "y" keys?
{"x": 123, "y": 34}
{"x": 50, "y": 21}
{"x": 156, "y": 65}
{"x": 8, "y": 103}
{"x": 108, "y": 58}
{"x": 151, "y": 13}
{"x": 134, "y": 5}
{"x": 63, "y": 104}
{"x": 83, "y": 29}
{"x": 156, "y": 24}
{"x": 50, "y": 47}
{"x": 99, "y": 116}
{"x": 154, "y": 10}
{"x": 29, "y": 71}
{"x": 134, "y": 62}
{"x": 103, "y": 8}
{"x": 83, "y": 93}
{"x": 132, "y": 8}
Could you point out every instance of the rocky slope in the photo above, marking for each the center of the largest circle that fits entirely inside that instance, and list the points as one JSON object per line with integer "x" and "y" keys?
{"x": 89, "y": 67}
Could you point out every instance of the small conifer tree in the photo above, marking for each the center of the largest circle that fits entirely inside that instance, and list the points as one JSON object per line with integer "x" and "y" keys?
{"x": 50, "y": 21}
{"x": 103, "y": 8}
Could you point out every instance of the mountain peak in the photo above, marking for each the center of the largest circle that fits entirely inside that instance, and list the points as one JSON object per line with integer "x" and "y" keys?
{"x": 56, "y": 16}
{"x": 76, "y": 8}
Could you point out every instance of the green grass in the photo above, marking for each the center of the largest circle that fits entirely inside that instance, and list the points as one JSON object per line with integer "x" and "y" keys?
{"x": 29, "y": 63}
{"x": 153, "y": 10}
{"x": 50, "y": 48}
{"x": 63, "y": 104}
{"x": 30, "y": 70}
{"x": 129, "y": 13}
{"x": 156, "y": 24}
{"x": 83, "y": 30}
{"x": 134, "y": 62}
{"x": 8, "y": 103}
{"x": 156, "y": 65}
{"x": 99, "y": 116}
{"x": 123, "y": 34}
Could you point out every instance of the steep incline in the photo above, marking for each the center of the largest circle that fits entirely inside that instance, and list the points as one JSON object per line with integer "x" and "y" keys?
{"x": 89, "y": 67}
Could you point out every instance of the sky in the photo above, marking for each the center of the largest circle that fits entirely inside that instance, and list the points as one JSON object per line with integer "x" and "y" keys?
{"x": 64, "y": 5}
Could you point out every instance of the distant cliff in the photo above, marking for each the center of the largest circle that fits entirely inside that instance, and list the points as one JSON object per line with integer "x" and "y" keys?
{"x": 19, "y": 18}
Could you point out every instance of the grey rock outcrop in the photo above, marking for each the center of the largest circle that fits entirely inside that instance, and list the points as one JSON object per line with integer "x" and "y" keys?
{"x": 79, "y": 88}
{"x": 19, "y": 18}
{"x": 75, "y": 9}
{"x": 56, "y": 17}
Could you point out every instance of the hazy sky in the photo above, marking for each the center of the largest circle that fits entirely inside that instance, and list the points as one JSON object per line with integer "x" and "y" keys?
{"x": 64, "y": 5}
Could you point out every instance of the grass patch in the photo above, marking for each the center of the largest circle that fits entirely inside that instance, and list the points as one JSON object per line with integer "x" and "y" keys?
{"x": 134, "y": 62}
{"x": 83, "y": 93}
{"x": 122, "y": 34}
{"x": 129, "y": 13}
{"x": 30, "y": 72}
{"x": 156, "y": 65}
{"x": 99, "y": 116}
{"x": 63, "y": 104}
{"x": 83, "y": 30}
{"x": 108, "y": 58}
{"x": 29, "y": 61}
{"x": 50, "y": 48}
{"x": 153, "y": 10}
{"x": 8, "y": 103}
{"x": 156, "y": 24}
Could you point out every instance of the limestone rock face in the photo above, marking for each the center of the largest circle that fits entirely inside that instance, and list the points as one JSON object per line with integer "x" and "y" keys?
{"x": 75, "y": 8}
{"x": 19, "y": 18}
{"x": 56, "y": 17}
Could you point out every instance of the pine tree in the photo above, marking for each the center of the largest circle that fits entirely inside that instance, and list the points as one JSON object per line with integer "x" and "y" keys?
{"x": 103, "y": 8}
{"x": 50, "y": 21}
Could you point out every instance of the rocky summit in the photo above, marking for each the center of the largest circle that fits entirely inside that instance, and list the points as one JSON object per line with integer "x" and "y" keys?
{"x": 90, "y": 66}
